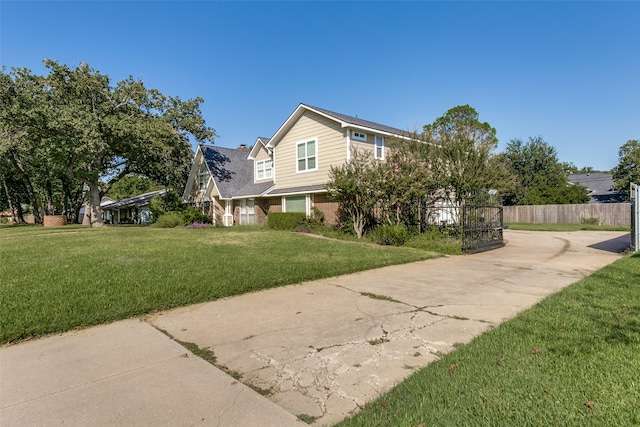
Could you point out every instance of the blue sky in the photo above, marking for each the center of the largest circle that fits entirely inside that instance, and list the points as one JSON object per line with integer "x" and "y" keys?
{"x": 567, "y": 71}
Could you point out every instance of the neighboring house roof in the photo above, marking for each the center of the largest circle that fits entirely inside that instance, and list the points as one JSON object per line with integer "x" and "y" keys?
{"x": 106, "y": 201}
{"x": 136, "y": 201}
{"x": 600, "y": 186}
{"x": 232, "y": 172}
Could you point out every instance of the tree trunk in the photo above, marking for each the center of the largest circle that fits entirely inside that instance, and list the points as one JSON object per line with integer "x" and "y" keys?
{"x": 6, "y": 192}
{"x": 19, "y": 211}
{"x": 93, "y": 207}
{"x": 37, "y": 214}
{"x": 72, "y": 202}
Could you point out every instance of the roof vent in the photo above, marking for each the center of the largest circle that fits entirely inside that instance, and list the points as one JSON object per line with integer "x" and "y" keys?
{"x": 243, "y": 147}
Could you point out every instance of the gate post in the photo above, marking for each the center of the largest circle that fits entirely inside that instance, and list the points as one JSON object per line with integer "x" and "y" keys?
{"x": 635, "y": 217}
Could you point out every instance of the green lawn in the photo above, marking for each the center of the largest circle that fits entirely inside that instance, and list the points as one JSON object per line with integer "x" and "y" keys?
{"x": 571, "y": 360}
{"x": 56, "y": 279}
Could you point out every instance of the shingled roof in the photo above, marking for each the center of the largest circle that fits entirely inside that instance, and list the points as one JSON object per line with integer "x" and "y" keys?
{"x": 232, "y": 172}
{"x": 600, "y": 186}
{"x": 136, "y": 201}
{"x": 358, "y": 122}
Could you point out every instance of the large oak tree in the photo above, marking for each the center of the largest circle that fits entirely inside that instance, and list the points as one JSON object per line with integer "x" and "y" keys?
{"x": 92, "y": 132}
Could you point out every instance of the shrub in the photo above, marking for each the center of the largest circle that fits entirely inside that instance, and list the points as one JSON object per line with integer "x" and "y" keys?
{"x": 160, "y": 205}
{"x": 436, "y": 240}
{"x": 169, "y": 220}
{"x": 590, "y": 221}
{"x": 191, "y": 215}
{"x": 395, "y": 235}
{"x": 285, "y": 220}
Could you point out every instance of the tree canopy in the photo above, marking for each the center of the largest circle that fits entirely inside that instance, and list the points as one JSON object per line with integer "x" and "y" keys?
{"x": 541, "y": 177}
{"x": 460, "y": 150}
{"x": 73, "y": 128}
{"x": 628, "y": 169}
{"x": 451, "y": 160}
{"x": 130, "y": 186}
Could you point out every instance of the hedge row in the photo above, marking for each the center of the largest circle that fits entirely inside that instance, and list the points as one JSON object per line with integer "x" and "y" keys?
{"x": 285, "y": 220}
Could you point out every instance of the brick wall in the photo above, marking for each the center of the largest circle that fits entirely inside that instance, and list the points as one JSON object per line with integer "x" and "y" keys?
{"x": 54, "y": 220}
{"x": 328, "y": 207}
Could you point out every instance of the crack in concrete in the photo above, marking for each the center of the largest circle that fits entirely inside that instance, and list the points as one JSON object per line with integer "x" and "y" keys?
{"x": 223, "y": 413}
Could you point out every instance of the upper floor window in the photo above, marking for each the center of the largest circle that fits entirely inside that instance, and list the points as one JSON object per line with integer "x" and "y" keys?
{"x": 306, "y": 156}
{"x": 203, "y": 176}
{"x": 264, "y": 169}
{"x": 379, "y": 153}
{"x": 359, "y": 136}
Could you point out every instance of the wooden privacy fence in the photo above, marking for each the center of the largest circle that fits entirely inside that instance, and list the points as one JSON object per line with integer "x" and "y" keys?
{"x": 593, "y": 213}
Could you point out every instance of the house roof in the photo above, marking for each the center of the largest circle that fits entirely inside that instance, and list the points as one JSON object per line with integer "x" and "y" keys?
{"x": 357, "y": 122}
{"x": 261, "y": 142}
{"x": 297, "y": 190}
{"x": 136, "y": 201}
{"x": 599, "y": 184}
{"x": 232, "y": 172}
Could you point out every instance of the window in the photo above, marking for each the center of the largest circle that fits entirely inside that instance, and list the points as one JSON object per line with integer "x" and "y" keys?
{"x": 379, "y": 153}
{"x": 359, "y": 136}
{"x": 203, "y": 176}
{"x": 247, "y": 211}
{"x": 295, "y": 203}
{"x": 306, "y": 156}
{"x": 264, "y": 169}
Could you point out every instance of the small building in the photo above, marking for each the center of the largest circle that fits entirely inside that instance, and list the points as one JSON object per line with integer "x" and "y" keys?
{"x": 134, "y": 210}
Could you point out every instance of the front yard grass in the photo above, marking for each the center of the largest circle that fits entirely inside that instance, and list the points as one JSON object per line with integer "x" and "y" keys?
{"x": 57, "y": 279}
{"x": 571, "y": 360}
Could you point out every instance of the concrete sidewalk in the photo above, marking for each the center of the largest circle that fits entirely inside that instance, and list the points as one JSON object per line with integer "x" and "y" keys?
{"x": 320, "y": 349}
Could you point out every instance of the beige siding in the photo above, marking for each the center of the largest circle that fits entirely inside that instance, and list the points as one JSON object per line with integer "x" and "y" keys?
{"x": 369, "y": 145}
{"x": 331, "y": 150}
{"x": 218, "y": 211}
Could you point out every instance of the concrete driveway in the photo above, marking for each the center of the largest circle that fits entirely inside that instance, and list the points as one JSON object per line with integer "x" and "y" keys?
{"x": 320, "y": 349}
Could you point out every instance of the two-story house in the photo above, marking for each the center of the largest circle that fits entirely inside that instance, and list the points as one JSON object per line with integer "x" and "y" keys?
{"x": 285, "y": 173}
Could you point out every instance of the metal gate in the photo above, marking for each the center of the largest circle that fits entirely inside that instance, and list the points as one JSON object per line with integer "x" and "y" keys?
{"x": 481, "y": 228}
{"x": 635, "y": 217}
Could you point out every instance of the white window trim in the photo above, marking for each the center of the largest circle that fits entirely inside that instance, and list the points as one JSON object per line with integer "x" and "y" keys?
{"x": 202, "y": 171}
{"x": 306, "y": 141}
{"x": 375, "y": 147}
{"x": 359, "y": 136}
{"x": 264, "y": 169}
